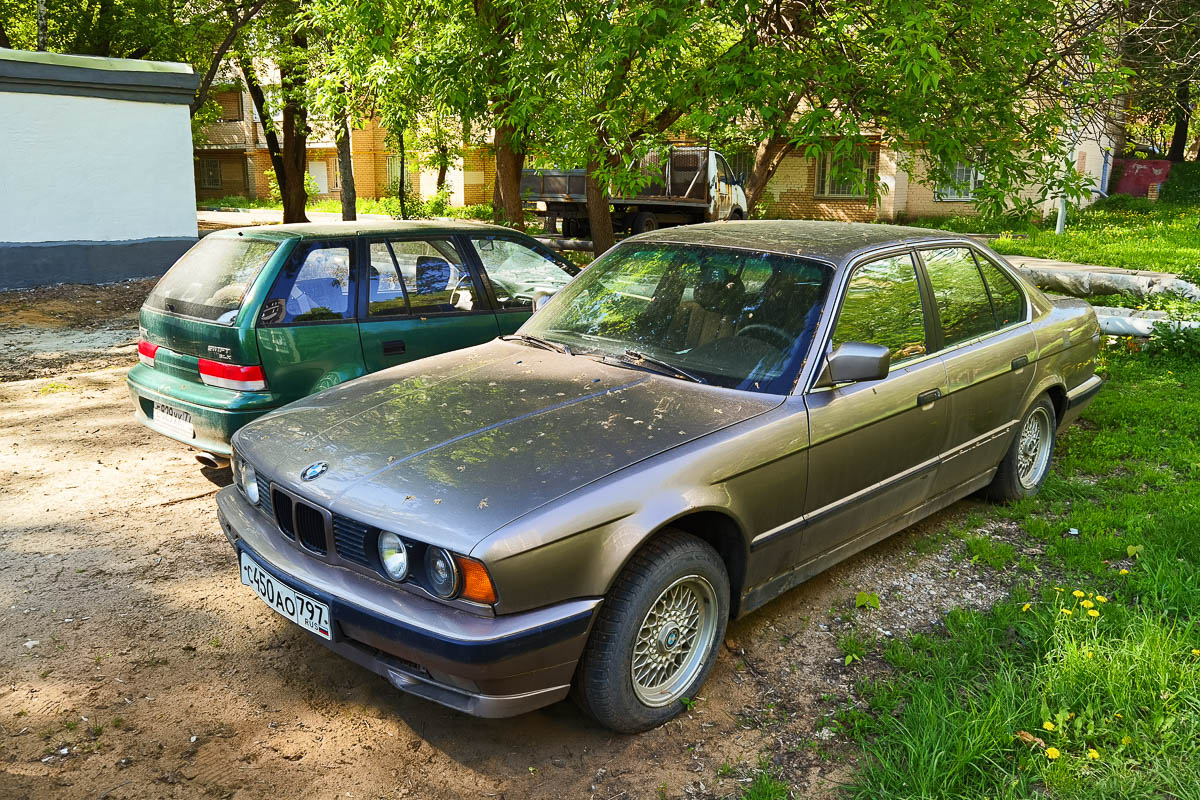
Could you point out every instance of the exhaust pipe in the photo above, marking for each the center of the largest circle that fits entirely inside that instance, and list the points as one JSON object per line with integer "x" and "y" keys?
{"x": 209, "y": 461}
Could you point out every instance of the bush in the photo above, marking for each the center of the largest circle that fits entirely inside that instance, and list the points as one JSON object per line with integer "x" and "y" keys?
{"x": 1183, "y": 184}
{"x": 1123, "y": 202}
{"x": 1171, "y": 338}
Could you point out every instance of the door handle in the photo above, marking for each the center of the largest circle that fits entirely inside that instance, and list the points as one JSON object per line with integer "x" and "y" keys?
{"x": 1020, "y": 361}
{"x": 925, "y": 398}
{"x": 394, "y": 348}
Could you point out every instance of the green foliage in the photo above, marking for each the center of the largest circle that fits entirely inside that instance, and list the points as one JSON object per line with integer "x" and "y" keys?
{"x": 766, "y": 786}
{"x": 1123, "y": 202}
{"x": 866, "y": 599}
{"x": 1183, "y": 184}
{"x": 854, "y": 646}
{"x": 994, "y": 553}
{"x": 1123, "y": 681}
{"x": 1171, "y": 338}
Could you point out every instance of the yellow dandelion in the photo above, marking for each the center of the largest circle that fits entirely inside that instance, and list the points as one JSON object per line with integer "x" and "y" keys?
{"x": 1071, "y": 715}
{"x": 1059, "y": 589}
{"x": 1088, "y": 604}
{"x": 1090, "y": 654}
{"x": 1126, "y": 740}
{"x": 1026, "y": 607}
{"x": 1101, "y": 598}
{"x": 1066, "y": 611}
{"x": 1047, "y": 725}
{"x": 1077, "y": 593}
{"x": 1092, "y": 754}
{"x": 1123, "y": 572}
{"x": 1052, "y": 753}
{"x": 1195, "y": 652}
{"x": 1118, "y": 715}
{"x": 1093, "y": 613}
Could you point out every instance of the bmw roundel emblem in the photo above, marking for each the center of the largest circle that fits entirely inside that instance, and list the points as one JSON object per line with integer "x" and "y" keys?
{"x": 313, "y": 471}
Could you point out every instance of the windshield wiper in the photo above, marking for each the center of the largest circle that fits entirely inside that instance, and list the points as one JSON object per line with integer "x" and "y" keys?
{"x": 638, "y": 359}
{"x": 538, "y": 341}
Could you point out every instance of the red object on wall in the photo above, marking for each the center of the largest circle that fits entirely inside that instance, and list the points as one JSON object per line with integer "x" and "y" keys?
{"x": 1139, "y": 173}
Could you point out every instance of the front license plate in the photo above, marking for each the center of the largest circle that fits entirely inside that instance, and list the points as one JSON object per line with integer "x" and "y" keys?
{"x": 174, "y": 421}
{"x": 299, "y": 608}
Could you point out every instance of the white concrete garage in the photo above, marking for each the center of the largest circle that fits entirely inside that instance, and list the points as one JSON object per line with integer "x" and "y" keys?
{"x": 96, "y": 175}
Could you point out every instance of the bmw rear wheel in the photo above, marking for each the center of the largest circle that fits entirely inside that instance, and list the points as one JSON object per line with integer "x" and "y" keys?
{"x": 1027, "y": 462}
{"x": 656, "y": 636}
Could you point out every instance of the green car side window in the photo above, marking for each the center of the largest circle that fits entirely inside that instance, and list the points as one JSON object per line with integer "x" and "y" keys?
{"x": 419, "y": 276}
{"x": 316, "y": 285}
{"x": 883, "y": 306}
{"x": 518, "y": 272}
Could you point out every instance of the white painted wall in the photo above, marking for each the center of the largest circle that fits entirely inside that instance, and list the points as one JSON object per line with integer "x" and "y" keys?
{"x": 93, "y": 169}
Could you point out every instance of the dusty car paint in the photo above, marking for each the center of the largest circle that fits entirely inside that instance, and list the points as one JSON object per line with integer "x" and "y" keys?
{"x": 554, "y": 470}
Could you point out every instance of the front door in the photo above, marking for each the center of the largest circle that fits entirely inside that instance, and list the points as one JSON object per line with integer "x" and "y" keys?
{"x": 422, "y": 298}
{"x": 307, "y": 333}
{"x": 875, "y": 444}
{"x": 988, "y": 348}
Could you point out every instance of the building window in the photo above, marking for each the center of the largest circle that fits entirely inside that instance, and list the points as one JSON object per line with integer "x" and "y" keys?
{"x": 210, "y": 173}
{"x": 395, "y": 170}
{"x": 844, "y": 184}
{"x": 231, "y": 106}
{"x": 335, "y": 175}
{"x": 966, "y": 180}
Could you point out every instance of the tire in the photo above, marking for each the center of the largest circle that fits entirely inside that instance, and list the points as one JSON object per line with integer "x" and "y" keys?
{"x": 670, "y": 569}
{"x": 1027, "y": 462}
{"x": 643, "y": 221}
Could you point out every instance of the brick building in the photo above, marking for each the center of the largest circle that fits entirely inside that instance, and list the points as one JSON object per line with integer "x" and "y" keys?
{"x": 234, "y": 160}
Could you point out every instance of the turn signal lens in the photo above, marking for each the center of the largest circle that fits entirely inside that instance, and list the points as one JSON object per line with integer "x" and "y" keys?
{"x": 146, "y": 352}
{"x": 232, "y": 376}
{"x": 476, "y": 583}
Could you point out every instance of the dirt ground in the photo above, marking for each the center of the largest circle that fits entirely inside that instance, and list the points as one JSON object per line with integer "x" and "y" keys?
{"x": 133, "y": 663}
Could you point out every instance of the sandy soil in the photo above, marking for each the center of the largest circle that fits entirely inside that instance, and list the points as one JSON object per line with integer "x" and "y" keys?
{"x": 133, "y": 664}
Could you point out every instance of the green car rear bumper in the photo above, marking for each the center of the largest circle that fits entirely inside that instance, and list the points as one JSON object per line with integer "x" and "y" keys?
{"x": 216, "y": 413}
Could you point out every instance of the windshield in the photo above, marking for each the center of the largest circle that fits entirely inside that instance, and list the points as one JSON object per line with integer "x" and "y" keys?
{"x": 212, "y": 278}
{"x": 735, "y": 318}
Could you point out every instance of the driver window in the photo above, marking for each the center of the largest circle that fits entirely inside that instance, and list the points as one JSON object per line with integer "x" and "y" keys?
{"x": 432, "y": 274}
{"x": 517, "y": 272}
{"x": 883, "y": 306}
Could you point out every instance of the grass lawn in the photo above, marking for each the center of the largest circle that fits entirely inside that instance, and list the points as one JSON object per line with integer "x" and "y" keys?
{"x": 1086, "y": 683}
{"x": 365, "y": 205}
{"x": 1165, "y": 238}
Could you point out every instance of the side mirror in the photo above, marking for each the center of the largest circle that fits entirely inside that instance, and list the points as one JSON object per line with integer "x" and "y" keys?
{"x": 540, "y": 296}
{"x": 856, "y": 361}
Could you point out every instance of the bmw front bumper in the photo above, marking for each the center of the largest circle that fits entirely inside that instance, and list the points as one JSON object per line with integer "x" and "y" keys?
{"x": 486, "y": 666}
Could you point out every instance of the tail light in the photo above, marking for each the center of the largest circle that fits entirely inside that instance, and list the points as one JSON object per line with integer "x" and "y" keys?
{"x": 232, "y": 376}
{"x": 146, "y": 352}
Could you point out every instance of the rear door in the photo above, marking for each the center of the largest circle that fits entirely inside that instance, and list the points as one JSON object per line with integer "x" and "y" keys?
{"x": 516, "y": 273}
{"x": 307, "y": 327}
{"x": 876, "y": 444}
{"x": 988, "y": 345}
{"x": 421, "y": 298}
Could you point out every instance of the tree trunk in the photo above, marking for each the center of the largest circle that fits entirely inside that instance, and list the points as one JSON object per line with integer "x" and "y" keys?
{"x": 443, "y": 164}
{"x": 768, "y": 155}
{"x": 4, "y": 40}
{"x": 236, "y": 23}
{"x": 1183, "y": 118}
{"x": 346, "y": 171}
{"x": 269, "y": 132}
{"x": 403, "y": 190}
{"x": 41, "y": 25}
{"x": 295, "y": 137}
{"x": 599, "y": 213}
{"x": 508, "y": 179}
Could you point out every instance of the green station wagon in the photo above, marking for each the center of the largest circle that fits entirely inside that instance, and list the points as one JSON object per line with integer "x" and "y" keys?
{"x": 249, "y": 320}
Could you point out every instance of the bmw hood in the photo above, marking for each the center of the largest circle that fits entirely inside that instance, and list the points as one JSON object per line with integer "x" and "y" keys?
{"x": 449, "y": 449}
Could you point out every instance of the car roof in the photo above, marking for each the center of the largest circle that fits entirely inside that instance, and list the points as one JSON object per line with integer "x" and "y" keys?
{"x": 835, "y": 242}
{"x": 312, "y": 230}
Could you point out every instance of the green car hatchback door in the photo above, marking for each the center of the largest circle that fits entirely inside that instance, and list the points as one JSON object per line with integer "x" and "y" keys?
{"x": 249, "y": 320}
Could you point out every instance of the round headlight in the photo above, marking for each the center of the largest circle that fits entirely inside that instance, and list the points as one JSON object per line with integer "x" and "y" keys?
{"x": 247, "y": 479}
{"x": 393, "y": 555}
{"x": 442, "y": 572}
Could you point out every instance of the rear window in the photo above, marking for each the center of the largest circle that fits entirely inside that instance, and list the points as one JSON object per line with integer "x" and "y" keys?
{"x": 212, "y": 278}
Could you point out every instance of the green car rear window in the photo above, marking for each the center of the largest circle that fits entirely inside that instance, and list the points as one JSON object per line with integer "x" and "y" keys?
{"x": 212, "y": 278}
